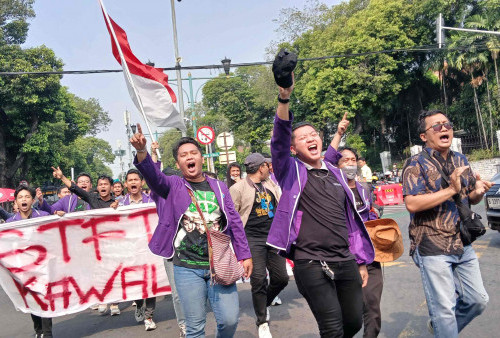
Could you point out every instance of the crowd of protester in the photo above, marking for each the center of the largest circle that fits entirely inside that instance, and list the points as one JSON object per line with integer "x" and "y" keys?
{"x": 313, "y": 208}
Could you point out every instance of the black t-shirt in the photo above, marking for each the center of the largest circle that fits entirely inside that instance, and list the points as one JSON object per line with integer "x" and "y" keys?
{"x": 259, "y": 220}
{"x": 359, "y": 202}
{"x": 191, "y": 246}
{"x": 323, "y": 232}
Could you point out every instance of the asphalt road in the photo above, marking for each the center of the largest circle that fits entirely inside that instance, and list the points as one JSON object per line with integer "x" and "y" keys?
{"x": 404, "y": 311}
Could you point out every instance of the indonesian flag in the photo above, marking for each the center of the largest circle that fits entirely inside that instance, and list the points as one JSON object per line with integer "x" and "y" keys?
{"x": 152, "y": 96}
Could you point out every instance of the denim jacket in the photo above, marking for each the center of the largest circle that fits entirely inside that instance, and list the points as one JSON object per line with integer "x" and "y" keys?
{"x": 292, "y": 178}
{"x": 174, "y": 190}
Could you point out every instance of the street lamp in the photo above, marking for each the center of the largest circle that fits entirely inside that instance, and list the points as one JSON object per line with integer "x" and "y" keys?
{"x": 226, "y": 63}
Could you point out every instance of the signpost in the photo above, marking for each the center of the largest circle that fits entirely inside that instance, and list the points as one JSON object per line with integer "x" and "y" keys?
{"x": 206, "y": 135}
{"x": 225, "y": 141}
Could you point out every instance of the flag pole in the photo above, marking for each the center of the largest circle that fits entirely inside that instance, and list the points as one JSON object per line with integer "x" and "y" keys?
{"x": 127, "y": 74}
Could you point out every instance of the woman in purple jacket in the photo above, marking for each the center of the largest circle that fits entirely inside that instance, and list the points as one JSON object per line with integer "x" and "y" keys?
{"x": 317, "y": 225}
{"x": 25, "y": 197}
{"x": 182, "y": 235}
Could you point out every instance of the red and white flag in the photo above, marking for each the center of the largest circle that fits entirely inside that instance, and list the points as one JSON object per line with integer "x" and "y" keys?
{"x": 148, "y": 86}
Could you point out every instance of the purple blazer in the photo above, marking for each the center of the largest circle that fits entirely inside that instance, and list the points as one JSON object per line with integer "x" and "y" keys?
{"x": 145, "y": 199}
{"x": 292, "y": 178}
{"x": 174, "y": 190}
{"x": 66, "y": 204}
{"x": 35, "y": 213}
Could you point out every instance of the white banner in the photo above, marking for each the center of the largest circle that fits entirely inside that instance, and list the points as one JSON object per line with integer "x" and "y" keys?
{"x": 52, "y": 266}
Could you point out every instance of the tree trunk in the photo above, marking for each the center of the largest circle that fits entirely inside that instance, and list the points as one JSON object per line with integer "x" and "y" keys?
{"x": 495, "y": 56}
{"x": 480, "y": 118}
{"x": 359, "y": 124}
{"x": 489, "y": 110}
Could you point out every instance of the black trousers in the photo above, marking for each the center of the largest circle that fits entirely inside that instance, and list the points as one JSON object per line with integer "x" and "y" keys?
{"x": 336, "y": 304}
{"x": 42, "y": 325}
{"x": 263, "y": 293}
{"x": 150, "y": 306}
{"x": 372, "y": 294}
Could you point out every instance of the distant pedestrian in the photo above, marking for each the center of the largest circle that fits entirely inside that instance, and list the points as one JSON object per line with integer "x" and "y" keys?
{"x": 449, "y": 267}
{"x": 366, "y": 172}
{"x": 233, "y": 174}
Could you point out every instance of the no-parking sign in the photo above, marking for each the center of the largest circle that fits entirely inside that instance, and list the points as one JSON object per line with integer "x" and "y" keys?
{"x": 205, "y": 135}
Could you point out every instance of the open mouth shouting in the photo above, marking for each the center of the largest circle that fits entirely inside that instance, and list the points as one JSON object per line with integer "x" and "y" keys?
{"x": 133, "y": 188}
{"x": 313, "y": 149}
{"x": 191, "y": 167}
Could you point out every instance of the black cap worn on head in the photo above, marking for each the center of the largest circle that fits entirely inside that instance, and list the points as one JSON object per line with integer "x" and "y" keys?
{"x": 255, "y": 160}
{"x": 283, "y": 66}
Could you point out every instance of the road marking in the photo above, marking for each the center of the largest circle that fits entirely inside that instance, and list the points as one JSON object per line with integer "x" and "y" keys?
{"x": 387, "y": 264}
{"x": 408, "y": 331}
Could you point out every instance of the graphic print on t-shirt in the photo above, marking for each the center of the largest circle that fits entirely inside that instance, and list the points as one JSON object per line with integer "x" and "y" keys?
{"x": 191, "y": 241}
{"x": 261, "y": 196}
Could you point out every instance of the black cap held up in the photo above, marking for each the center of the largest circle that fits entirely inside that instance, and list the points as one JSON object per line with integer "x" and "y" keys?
{"x": 283, "y": 66}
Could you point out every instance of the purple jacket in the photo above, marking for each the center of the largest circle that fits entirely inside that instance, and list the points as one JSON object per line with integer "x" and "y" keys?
{"x": 174, "y": 190}
{"x": 145, "y": 199}
{"x": 66, "y": 204}
{"x": 35, "y": 213}
{"x": 365, "y": 213}
{"x": 292, "y": 177}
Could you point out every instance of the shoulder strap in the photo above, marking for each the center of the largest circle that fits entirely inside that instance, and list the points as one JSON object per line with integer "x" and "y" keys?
{"x": 195, "y": 202}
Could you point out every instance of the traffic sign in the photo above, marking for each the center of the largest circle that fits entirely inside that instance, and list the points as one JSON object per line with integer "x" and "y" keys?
{"x": 211, "y": 155}
{"x": 205, "y": 135}
{"x": 223, "y": 157}
{"x": 225, "y": 141}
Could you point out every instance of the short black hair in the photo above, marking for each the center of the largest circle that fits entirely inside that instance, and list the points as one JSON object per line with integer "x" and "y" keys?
{"x": 182, "y": 141}
{"x": 84, "y": 174}
{"x": 423, "y": 115}
{"x": 134, "y": 171}
{"x": 105, "y": 177}
{"x": 229, "y": 181}
{"x": 362, "y": 159}
{"x": 352, "y": 150}
{"x": 300, "y": 125}
{"x": 171, "y": 172}
{"x": 60, "y": 189}
{"x": 24, "y": 187}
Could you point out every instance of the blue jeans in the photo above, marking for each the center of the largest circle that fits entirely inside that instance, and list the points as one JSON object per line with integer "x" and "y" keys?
{"x": 194, "y": 288}
{"x": 453, "y": 289}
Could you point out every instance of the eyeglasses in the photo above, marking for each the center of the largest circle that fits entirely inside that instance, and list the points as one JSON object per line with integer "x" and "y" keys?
{"x": 303, "y": 138}
{"x": 438, "y": 127}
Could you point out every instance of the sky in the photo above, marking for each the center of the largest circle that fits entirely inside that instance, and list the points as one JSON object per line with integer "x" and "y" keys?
{"x": 207, "y": 30}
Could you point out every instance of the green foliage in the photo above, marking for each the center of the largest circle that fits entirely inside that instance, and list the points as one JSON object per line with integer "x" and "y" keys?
{"x": 167, "y": 141}
{"x": 483, "y": 154}
{"x": 355, "y": 141}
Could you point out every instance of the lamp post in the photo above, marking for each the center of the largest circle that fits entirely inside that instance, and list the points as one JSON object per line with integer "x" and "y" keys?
{"x": 226, "y": 63}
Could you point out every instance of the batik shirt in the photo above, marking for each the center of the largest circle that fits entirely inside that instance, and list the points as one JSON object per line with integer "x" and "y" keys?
{"x": 191, "y": 245}
{"x": 435, "y": 231}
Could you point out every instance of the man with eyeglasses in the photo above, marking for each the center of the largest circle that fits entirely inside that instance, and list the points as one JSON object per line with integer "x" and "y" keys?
{"x": 255, "y": 199}
{"x": 449, "y": 269}
{"x": 72, "y": 202}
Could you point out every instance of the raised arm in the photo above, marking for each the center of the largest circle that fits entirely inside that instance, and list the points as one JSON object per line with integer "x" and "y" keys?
{"x": 83, "y": 194}
{"x": 341, "y": 129}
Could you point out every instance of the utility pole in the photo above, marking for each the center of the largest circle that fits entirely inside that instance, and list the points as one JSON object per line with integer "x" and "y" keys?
{"x": 129, "y": 136}
{"x": 178, "y": 60}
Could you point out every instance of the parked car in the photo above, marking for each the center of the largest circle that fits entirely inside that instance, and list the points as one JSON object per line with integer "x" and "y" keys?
{"x": 492, "y": 203}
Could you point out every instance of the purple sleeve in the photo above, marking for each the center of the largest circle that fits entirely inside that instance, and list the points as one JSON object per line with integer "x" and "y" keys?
{"x": 157, "y": 181}
{"x": 280, "y": 147}
{"x": 46, "y": 207}
{"x": 332, "y": 155}
{"x": 60, "y": 205}
{"x": 237, "y": 233}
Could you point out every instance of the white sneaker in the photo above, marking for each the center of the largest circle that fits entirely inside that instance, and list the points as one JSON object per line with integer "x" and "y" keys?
{"x": 102, "y": 308}
{"x": 94, "y": 307}
{"x": 149, "y": 325}
{"x": 182, "y": 329}
{"x": 264, "y": 331}
{"x": 268, "y": 315}
{"x": 139, "y": 314}
{"x": 115, "y": 310}
{"x": 133, "y": 303}
{"x": 276, "y": 301}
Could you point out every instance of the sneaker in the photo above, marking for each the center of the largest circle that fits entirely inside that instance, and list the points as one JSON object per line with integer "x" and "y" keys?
{"x": 115, "y": 310}
{"x": 102, "y": 308}
{"x": 149, "y": 325}
{"x": 182, "y": 329}
{"x": 94, "y": 307}
{"x": 139, "y": 314}
{"x": 264, "y": 331}
{"x": 430, "y": 327}
{"x": 276, "y": 301}
{"x": 268, "y": 315}
{"x": 133, "y": 303}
